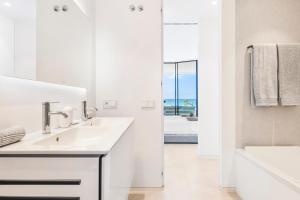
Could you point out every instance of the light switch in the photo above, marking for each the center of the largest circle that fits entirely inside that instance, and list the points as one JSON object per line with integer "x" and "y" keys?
{"x": 148, "y": 104}
{"x": 109, "y": 104}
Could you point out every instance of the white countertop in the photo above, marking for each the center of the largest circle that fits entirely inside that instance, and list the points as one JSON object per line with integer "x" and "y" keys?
{"x": 110, "y": 131}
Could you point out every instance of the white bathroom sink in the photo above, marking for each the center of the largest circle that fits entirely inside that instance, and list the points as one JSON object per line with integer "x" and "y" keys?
{"x": 95, "y": 122}
{"x": 94, "y": 137}
{"x": 75, "y": 137}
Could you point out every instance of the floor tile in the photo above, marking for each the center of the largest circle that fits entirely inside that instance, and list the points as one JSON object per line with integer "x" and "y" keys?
{"x": 187, "y": 177}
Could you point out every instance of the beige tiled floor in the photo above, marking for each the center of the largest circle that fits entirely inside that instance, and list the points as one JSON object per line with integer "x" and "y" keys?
{"x": 187, "y": 177}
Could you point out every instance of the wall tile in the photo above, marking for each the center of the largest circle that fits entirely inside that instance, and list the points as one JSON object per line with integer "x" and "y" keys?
{"x": 264, "y": 21}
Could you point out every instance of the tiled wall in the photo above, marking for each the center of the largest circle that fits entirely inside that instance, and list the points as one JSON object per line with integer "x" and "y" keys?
{"x": 264, "y": 21}
{"x": 21, "y": 101}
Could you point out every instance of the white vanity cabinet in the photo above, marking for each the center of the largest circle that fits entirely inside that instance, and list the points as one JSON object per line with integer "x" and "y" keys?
{"x": 118, "y": 169}
{"x": 79, "y": 173}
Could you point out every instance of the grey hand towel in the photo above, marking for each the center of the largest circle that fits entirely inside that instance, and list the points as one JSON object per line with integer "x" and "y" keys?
{"x": 11, "y": 135}
{"x": 264, "y": 79}
{"x": 289, "y": 74}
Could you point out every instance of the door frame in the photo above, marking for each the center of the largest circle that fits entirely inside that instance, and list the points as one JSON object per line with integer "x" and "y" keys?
{"x": 227, "y": 100}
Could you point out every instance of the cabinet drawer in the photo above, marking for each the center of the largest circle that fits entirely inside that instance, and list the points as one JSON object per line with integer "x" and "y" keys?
{"x": 38, "y": 198}
{"x": 56, "y": 178}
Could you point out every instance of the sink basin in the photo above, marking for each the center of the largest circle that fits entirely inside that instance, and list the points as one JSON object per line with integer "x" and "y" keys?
{"x": 98, "y": 138}
{"x": 95, "y": 122}
{"x": 104, "y": 123}
{"x": 80, "y": 136}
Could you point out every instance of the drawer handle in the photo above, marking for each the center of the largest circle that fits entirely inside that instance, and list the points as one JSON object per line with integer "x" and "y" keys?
{"x": 38, "y": 198}
{"x": 40, "y": 182}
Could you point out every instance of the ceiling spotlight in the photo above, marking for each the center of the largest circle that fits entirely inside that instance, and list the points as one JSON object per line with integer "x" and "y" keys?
{"x": 65, "y": 8}
{"x": 7, "y": 4}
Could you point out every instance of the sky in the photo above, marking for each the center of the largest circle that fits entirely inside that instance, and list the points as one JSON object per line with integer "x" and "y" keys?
{"x": 187, "y": 86}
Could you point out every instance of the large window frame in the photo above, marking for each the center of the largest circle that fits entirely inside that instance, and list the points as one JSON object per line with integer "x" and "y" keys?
{"x": 176, "y": 84}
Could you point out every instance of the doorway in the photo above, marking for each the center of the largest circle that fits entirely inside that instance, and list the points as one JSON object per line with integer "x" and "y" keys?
{"x": 191, "y": 89}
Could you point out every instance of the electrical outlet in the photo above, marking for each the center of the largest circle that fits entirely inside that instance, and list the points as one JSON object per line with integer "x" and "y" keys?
{"x": 148, "y": 104}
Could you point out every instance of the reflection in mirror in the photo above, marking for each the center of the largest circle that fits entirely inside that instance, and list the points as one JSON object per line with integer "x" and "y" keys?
{"x": 65, "y": 43}
{"x": 18, "y": 38}
{"x": 48, "y": 41}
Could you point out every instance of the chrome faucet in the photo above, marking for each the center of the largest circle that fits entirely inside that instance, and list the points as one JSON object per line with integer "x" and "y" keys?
{"x": 85, "y": 115}
{"x": 46, "y": 117}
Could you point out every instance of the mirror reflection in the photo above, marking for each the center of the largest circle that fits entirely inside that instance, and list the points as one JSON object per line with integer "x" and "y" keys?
{"x": 46, "y": 40}
{"x": 18, "y": 38}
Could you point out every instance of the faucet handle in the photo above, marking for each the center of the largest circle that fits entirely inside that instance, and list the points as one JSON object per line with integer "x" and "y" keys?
{"x": 46, "y": 116}
{"x": 47, "y": 107}
{"x": 93, "y": 109}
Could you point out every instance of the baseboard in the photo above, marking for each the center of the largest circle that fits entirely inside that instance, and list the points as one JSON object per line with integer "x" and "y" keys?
{"x": 181, "y": 138}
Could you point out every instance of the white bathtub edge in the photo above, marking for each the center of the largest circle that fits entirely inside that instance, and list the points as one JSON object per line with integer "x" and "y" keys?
{"x": 275, "y": 173}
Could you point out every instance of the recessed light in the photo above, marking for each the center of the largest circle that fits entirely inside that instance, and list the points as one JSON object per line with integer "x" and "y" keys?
{"x": 7, "y": 4}
{"x": 214, "y": 2}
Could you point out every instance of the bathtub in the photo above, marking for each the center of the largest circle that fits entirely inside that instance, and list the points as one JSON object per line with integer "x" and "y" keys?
{"x": 268, "y": 173}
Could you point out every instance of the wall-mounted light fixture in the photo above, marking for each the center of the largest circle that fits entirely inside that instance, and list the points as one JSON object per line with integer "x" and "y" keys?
{"x": 58, "y": 8}
{"x": 65, "y": 8}
{"x": 132, "y": 8}
{"x": 140, "y": 8}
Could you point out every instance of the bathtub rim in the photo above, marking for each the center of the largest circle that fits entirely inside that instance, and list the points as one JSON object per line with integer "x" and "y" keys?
{"x": 279, "y": 175}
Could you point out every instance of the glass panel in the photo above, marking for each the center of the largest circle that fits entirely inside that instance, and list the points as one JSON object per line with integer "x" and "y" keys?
{"x": 169, "y": 89}
{"x": 187, "y": 89}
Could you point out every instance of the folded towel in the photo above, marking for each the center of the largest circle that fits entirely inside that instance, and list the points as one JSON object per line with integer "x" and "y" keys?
{"x": 264, "y": 80}
{"x": 11, "y": 135}
{"x": 289, "y": 74}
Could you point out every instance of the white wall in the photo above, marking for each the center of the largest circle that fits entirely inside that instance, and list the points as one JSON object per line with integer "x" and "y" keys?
{"x": 65, "y": 46}
{"x": 189, "y": 10}
{"x": 228, "y": 93}
{"x": 129, "y": 70}
{"x": 209, "y": 79}
{"x": 21, "y": 101}
{"x": 180, "y": 42}
{"x": 7, "y": 46}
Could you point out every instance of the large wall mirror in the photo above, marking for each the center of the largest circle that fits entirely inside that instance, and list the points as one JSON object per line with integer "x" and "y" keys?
{"x": 46, "y": 40}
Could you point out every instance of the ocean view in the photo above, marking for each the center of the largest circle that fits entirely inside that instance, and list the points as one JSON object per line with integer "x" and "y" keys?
{"x": 182, "y": 102}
